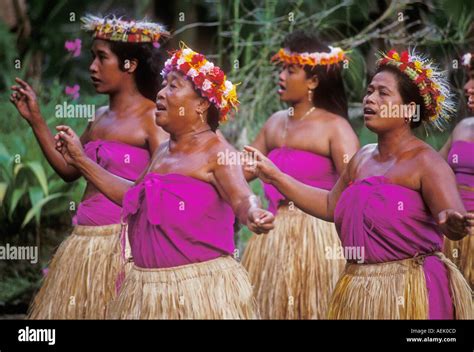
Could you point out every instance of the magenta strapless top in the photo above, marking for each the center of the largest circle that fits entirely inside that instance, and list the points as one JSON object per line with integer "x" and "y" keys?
{"x": 391, "y": 222}
{"x": 176, "y": 220}
{"x": 461, "y": 160}
{"x": 307, "y": 167}
{"x": 120, "y": 159}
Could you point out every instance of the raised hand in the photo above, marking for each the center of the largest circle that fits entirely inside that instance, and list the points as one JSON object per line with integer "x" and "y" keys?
{"x": 259, "y": 165}
{"x": 24, "y": 99}
{"x": 69, "y": 144}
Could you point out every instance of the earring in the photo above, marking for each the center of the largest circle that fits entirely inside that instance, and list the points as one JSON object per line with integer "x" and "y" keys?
{"x": 310, "y": 95}
{"x": 407, "y": 120}
{"x": 200, "y": 115}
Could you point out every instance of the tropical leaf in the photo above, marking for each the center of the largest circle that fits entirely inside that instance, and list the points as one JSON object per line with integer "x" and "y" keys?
{"x": 38, "y": 207}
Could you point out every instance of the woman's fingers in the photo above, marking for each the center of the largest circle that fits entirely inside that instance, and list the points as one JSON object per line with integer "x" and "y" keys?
{"x": 23, "y": 84}
{"x": 257, "y": 154}
{"x": 66, "y": 129}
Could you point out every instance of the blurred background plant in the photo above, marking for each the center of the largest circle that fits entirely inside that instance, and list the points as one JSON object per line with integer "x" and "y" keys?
{"x": 241, "y": 35}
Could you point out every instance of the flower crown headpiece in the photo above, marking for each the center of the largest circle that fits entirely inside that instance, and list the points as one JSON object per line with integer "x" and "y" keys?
{"x": 335, "y": 56}
{"x": 118, "y": 30}
{"x": 467, "y": 59}
{"x": 209, "y": 79}
{"x": 432, "y": 83}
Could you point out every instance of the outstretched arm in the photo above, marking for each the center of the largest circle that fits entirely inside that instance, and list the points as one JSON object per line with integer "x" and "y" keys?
{"x": 24, "y": 99}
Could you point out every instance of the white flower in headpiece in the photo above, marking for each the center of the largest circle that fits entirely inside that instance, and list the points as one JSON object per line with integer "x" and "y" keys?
{"x": 208, "y": 66}
{"x": 206, "y": 85}
{"x": 187, "y": 52}
{"x": 305, "y": 55}
{"x": 180, "y": 61}
{"x": 466, "y": 59}
{"x": 228, "y": 87}
{"x": 192, "y": 73}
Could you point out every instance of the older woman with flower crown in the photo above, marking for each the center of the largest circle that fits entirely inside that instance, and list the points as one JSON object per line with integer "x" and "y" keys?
{"x": 180, "y": 215}
{"x": 393, "y": 203}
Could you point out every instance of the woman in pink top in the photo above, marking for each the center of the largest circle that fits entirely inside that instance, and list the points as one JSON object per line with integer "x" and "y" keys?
{"x": 81, "y": 279}
{"x": 459, "y": 152}
{"x": 392, "y": 203}
{"x": 313, "y": 142}
{"x": 181, "y": 213}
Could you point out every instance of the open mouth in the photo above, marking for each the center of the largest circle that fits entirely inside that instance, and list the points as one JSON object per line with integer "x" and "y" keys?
{"x": 160, "y": 107}
{"x": 95, "y": 80}
{"x": 281, "y": 88}
{"x": 369, "y": 111}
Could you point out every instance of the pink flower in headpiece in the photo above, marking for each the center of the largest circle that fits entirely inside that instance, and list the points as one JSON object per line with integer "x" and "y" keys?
{"x": 73, "y": 91}
{"x": 74, "y": 47}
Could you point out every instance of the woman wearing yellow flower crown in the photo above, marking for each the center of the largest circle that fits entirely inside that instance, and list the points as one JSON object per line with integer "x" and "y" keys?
{"x": 296, "y": 267}
{"x": 459, "y": 152}
{"x": 393, "y": 202}
{"x": 82, "y": 274}
{"x": 181, "y": 213}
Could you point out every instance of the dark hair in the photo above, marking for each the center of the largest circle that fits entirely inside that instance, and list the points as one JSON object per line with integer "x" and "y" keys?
{"x": 212, "y": 113}
{"x": 330, "y": 94}
{"x": 213, "y": 117}
{"x": 408, "y": 91}
{"x": 150, "y": 60}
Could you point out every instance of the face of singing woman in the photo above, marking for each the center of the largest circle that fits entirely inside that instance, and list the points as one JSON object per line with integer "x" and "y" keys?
{"x": 469, "y": 88}
{"x": 176, "y": 103}
{"x": 293, "y": 84}
{"x": 383, "y": 104}
{"x": 104, "y": 70}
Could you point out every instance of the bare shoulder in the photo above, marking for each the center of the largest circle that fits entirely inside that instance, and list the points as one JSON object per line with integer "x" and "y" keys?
{"x": 338, "y": 122}
{"x": 360, "y": 157}
{"x": 464, "y": 129}
{"x": 218, "y": 146}
{"x": 364, "y": 152}
{"x": 101, "y": 112}
{"x": 466, "y": 122}
{"x": 276, "y": 119}
{"x": 428, "y": 159}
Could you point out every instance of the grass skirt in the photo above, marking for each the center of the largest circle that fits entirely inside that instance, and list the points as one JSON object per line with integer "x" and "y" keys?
{"x": 82, "y": 274}
{"x": 288, "y": 267}
{"x": 394, "y": 290}
{"x": 214, "y": 289}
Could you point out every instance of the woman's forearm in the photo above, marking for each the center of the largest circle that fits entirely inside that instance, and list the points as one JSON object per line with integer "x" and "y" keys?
{"x": 48, "y": 145}
{"x": 311, "y": 200}
{"x": 242, "y": 209}
{"x": 112, "y": 186}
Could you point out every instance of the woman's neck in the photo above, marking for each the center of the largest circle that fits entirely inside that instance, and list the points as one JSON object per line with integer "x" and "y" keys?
{"x": 124, "y": 99}
{"x": 300, "y": 108}
{"x": 190, "y": 138}
{"x": 393, "y": 142}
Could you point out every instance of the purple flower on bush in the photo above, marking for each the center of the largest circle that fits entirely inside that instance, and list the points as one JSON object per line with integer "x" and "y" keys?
{"x": 73, "y": 46}
{"x": 73, "y": 91}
